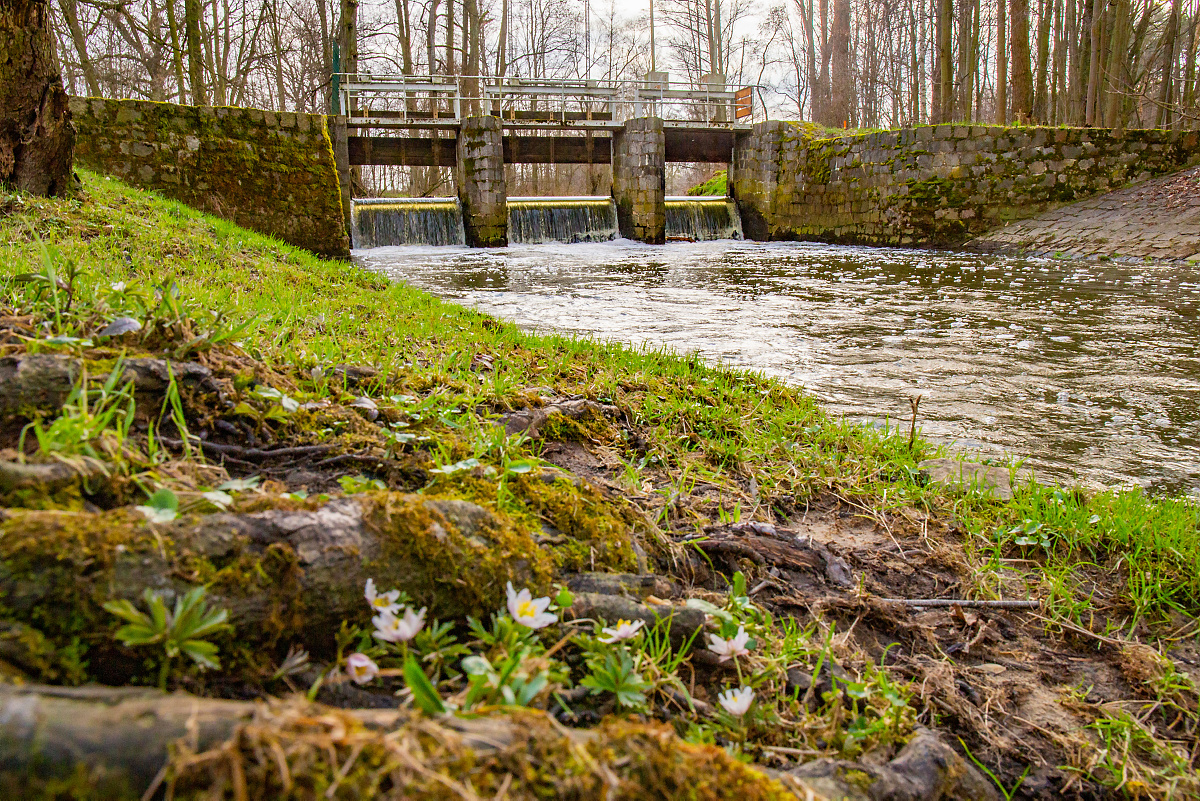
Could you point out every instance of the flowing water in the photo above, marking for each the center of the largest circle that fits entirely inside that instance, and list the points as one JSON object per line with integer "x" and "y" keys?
{"x": 381, "y": 222}
{"x": 701, "y": 219}
{"x": 533, "y": 220}
{"x": 408, "y": 221}
{"x": 1088, "y": 372}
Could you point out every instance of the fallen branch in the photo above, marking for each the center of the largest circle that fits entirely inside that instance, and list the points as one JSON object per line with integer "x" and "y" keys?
{"x": 47, "y": 477}
{"x": 251, "y": 454}
{"x": 964, "y": 603}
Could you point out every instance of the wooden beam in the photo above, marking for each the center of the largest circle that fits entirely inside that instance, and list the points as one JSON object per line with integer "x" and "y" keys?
{"x": 557, "y": 150}
{"x": 699, "y": 145}
{"x": 402, "y": 151}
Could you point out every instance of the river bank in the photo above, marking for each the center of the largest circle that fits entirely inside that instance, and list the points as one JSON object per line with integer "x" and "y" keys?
{"x": 1156, "y": 221}
{"x": 279, "y": 429}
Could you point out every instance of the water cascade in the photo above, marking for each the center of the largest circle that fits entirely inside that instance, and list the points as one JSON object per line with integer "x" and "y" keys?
{"x": 700, "y": 218}
{"x": 379, "y": 222}
{"x": 561, "y": 219}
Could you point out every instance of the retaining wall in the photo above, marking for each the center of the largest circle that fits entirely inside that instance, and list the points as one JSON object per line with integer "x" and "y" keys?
{"x": 934, "y": 185}
{"x": 273, "y": 172}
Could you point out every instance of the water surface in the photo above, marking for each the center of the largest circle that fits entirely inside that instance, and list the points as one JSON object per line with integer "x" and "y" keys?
{"x": 1088, "y": 372}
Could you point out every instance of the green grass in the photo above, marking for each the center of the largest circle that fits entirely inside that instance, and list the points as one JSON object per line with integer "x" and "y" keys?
{"x": 296, "y": 312}
{"x": 717, "y": 185}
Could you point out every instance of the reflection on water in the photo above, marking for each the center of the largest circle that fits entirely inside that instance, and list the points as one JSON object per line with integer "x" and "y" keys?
{"x": 1088, "y": 371}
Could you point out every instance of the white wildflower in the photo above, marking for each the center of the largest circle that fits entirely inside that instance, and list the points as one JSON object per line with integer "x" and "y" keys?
{"x": 736, "y": 702}
{"x": 390, "y": 628}
{"x": 361, "y": 668}
{"x": 728, "y": 649}
{"x": 382, "y": 602}
{"x": 624, "y": 630}
{"x": 529, "y": 611}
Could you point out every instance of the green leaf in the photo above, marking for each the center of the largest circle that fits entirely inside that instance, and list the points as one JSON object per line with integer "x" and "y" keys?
{"x": 709, "y": 609}
{"x": 425, "y": 695}
{"x": 240, "y": 484}
{"x": 564, "y": 599}
{"x": 476, "y": 666}
{"x": 164, "y": 499}
{"x": 127, "y": 611}
{"x": 465, "y": 464}
{"x": 245, "y": 410}
{"x": 202, "y": 653}
{"x": 219, "y": 499}
{"x": 522, "y": 466}
{"x": 137, "y": 634}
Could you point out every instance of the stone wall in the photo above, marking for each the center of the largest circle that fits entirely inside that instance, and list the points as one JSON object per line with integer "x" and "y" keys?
{"x": 934, "y": 185}
{"x": 640, "y": 181}
{"x": 267, "y": 171}
{"x": 481, "y": 187}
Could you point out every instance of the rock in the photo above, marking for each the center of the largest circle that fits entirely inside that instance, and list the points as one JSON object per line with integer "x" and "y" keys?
{"x": 611, "y": 608}
{"x": 352, "y": 375}
{"x": 44, "y": 380}
{"x": 531, "y": 421}
{"x": 925, "y": 770}
{"x": 991, "y": 480}
{"x": 628, "y": 584}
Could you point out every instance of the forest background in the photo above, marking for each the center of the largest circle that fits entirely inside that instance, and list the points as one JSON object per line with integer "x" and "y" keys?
{"x": 840, "y": 63}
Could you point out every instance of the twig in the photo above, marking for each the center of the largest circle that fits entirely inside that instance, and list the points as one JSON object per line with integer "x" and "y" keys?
{"x": 912, "y": 431}
{"x": 253, "y": 454}
{"x": 964, "y": 603}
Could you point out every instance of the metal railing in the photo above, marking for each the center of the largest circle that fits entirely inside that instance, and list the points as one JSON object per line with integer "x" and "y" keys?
{"x": 436, "y": 101}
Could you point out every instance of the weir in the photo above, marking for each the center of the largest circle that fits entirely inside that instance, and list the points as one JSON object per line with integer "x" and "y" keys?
{"x": 561, "y": 219}
{"x": 701, "y": 218}
{"x": 379, "y": 222}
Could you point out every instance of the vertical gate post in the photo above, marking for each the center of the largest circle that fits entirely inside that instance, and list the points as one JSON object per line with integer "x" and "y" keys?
{"x": 640, "y": 180}
{"x": 481, "y": 187}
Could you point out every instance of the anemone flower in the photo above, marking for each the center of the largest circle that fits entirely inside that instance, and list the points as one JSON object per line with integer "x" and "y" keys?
{"x": 728, "y": 649}
{"x": 736, "y": 702}
{"x": 529, "y": 611}
{"x": 383, "y": 603}
{"x": 624, "y": 630}
{"x": 390, "y": 628}
{"x": 361, "y": 668}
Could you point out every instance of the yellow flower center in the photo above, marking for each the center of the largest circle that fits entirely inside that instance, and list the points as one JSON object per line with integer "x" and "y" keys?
{"x": 622, "y": 623}
{"x": 382, "y": 603}
{"x": 526, "y": 609}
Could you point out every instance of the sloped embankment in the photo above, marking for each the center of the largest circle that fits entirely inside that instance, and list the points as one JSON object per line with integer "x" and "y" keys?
{"x": 311, "y": 503}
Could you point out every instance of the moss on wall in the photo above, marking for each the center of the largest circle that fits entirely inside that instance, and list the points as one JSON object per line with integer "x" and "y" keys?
{"x": 933, "y": 185}
{"x": 273, "y": 172}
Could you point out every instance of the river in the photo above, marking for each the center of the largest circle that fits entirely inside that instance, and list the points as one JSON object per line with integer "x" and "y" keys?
{"x": 1089, "y": 373}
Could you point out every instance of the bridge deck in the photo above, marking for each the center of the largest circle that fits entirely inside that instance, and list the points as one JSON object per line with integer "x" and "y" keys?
{"x": 440, "y": 102}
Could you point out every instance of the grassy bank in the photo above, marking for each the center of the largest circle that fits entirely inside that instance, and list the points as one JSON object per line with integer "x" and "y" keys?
{"x": 766, "y": 446}
{"x": 651, "y": 463}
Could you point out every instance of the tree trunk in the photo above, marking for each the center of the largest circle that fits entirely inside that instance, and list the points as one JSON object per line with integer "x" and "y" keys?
{"x": 1162, "y": 119}
{"x": 1094, "y": 74}
{"x": 1022, "y": 71}
{"x": 191, "y": 26}
{"x": 70, "y": 11}
{"x": 840, "y": 43}
{"x": 1001, "y": 64}
{"x": 1041, "y": 97}
{"x": 37, "y": 139}
{"x": 945, "y": 61}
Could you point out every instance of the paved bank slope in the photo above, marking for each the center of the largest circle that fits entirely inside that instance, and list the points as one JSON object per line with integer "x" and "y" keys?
{"x": 1157, "y": 219}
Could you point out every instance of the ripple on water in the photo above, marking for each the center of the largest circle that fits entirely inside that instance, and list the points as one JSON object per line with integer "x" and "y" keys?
{"x": 1116, "y": 399}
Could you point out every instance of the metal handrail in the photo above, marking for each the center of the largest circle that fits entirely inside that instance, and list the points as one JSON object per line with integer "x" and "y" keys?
{"x": 430, "y": 101}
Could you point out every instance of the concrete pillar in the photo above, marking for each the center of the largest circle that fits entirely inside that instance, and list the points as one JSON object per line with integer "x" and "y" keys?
{"x": 640, "y": 180}
{"x": 754, "y": 177}
{"x": 481, "y": 187}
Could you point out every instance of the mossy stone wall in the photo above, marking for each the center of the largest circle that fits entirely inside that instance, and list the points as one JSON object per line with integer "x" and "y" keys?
{"x": 934, "y": 185}
{"x": 273, "y": 172}
{"x": 481, "y": 187}
{"x": 639, "y": 180}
